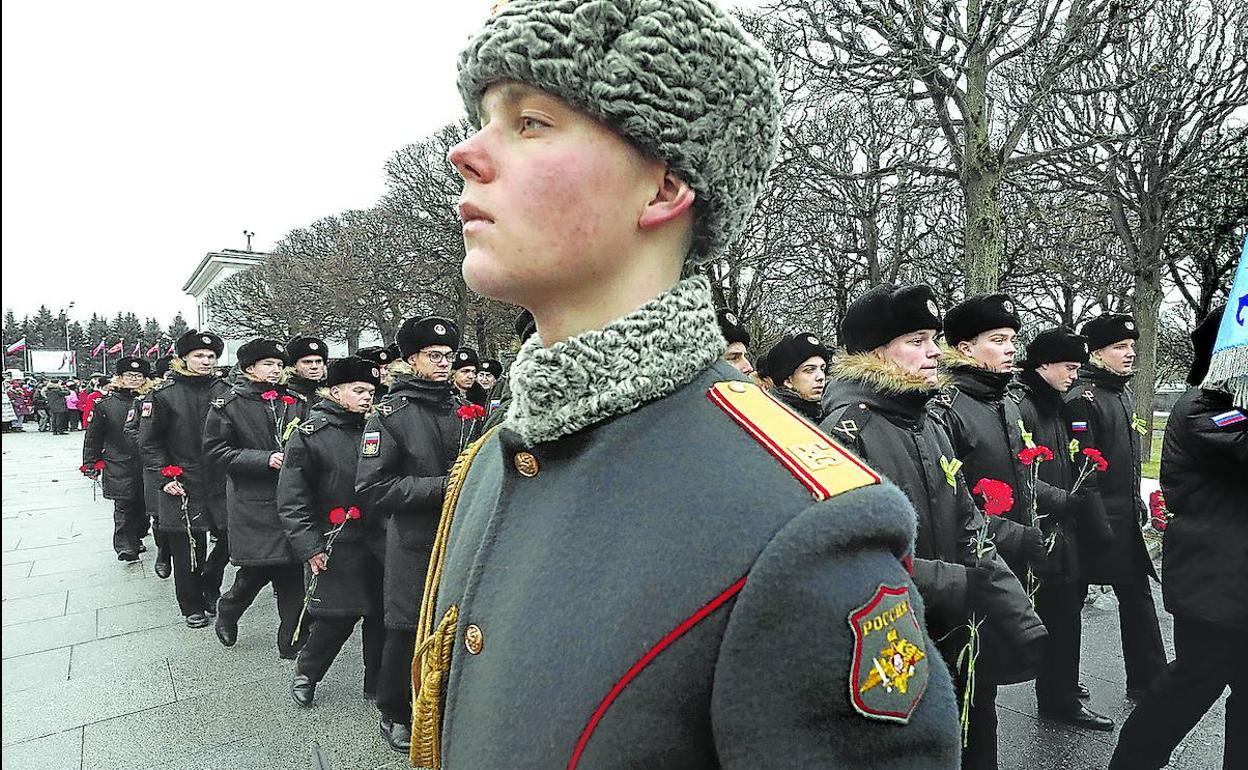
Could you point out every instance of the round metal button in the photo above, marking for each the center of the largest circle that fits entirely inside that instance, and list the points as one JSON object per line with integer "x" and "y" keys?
{"x": 474, "y": 640}
{"x": 738, "y": 387}
{"x": 526, "y": 464}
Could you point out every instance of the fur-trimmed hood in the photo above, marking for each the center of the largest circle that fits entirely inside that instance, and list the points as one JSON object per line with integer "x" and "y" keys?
{"x": 142, "y": 390}
{"x": 970, "y": 377}
{"x": 176, "y": 364}
{"x": 862, "y": 378}
{"x": 881, "y": 375}
{"x": 952, "y": 358}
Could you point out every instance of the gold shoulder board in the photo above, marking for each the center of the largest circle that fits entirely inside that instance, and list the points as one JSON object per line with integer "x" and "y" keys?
{"x": 808, "y": 453}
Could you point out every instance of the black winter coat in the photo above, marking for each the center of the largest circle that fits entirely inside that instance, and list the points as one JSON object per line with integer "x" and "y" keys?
{"x": 812, "y": 411}
{"x": 984, "y": 426}
{"x": 1044, "y": 414}
{"x": 56, "y": 396}
{"x": 406, "y": 451}
{"x": 171, "y": 432}
{"x": 106, "y": 439}
{"x": 1204, "y": 477}
{"x": 318, "y": 475}
{"x": 886, "y": 422}
{"x": 303, "y": 389}
{"x": 241, "y": 432}
{"x": 1101, "y": 408}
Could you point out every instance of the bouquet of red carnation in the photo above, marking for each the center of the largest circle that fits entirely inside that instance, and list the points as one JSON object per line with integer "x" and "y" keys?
{"x": 93, "y": 472}
{"x": 1159, "y": 515}
{"x": 339, "y": 518}
{"x": 174, "y": 473}
{"x": 281, "y": 427}
{"x": 1093, "y": 462}
{"x": 468, "y": 414}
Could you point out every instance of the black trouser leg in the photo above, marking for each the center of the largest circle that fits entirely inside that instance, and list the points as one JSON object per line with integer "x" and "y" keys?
{"x": 187, "y": 585}
{"x": 60, "y": 422}
{"x": 394, "y": 686}
{"x": 325, "y": 641}
{"x": 214, "y": 565}
{"x": 125, "y": 528}
{"x": 288, "y": 590}
{"x": 981, "y": 747}
{"x": 1181, "y": 696}
{"x": 1142, "y": 652}
{"x": 1059, "y": 605}
{"x": 161, "y": 539}
{"x": 247, "y": 584}
{"x": 374, "y": 633}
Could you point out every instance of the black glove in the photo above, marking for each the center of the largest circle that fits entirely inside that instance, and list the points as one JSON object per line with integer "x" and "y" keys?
{"x": 1034, "y": 549}
{"x": 978, "y": 590}
{"x": 1093, "y": 521}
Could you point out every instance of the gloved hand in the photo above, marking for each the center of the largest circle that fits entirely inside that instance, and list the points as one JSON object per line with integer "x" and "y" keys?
{"x": 1092, "y": 520}
{"x": 1034, "y": 549}
{"x": 978, "y": 590}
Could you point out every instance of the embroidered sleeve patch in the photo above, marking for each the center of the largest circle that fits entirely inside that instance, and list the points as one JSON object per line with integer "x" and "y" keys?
{"x": 147, "y": 408}
{"x": 1232, "y": 417}
{"x": 130, "y": 414}
{"x": 372, "y": 444}
{"x": 890, "y": 666}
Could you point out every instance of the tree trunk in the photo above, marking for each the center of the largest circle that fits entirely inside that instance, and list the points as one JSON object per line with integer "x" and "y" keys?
{"x": 981, "y": 190}
{"x": 1148, "y": 296}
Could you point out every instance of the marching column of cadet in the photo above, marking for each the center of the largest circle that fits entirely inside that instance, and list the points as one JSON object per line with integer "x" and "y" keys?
{"x": 256, "y": 463}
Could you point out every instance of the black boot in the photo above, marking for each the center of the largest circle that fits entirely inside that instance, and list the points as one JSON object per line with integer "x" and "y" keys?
{"x": 398, "y": 735}
{"x": 1081, "y": 716}
{"x": 302, "y": 690}
{"x": 226, "y": 628}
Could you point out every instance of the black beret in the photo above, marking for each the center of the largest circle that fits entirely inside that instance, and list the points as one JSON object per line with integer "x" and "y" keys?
{"x": 301, "y": 347}
{"x": 377, "y": 354}
{"x": 465, "y": 357}
{"x": 789, "y": 353}
{"x": 732, "y": 328}
{"x": 197, "y": 340}
{"x": 353, "y": 369}
{"x": 417, "y": 334}
{"x": 1056, "y": 345}
{"x": 127, "y": 364}
{"x": 525, "y": 325}
{"x": 978, "y": 314}
{"x": 161, "y": 367}
{"x": 1203, "y": 338}
{"x": 493, "y": 366}
{"x": 258, "y": 350}
{"x": 1109, "y": 328}
{"x": 886, "y": 312}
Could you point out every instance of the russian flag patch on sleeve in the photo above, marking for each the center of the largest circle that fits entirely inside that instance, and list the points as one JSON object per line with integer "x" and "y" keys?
{"x": 1229, "y": 418}
{"x": 1079, "y": 426}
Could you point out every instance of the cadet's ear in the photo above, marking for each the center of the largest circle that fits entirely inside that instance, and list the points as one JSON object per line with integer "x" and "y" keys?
{"x": 673, "y": 198}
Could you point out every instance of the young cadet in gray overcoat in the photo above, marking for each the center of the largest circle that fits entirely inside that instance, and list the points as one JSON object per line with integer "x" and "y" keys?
{"x": 107, "y": 440}
{"x": 245, "y": 434}
{"x": 171, "y": 429}
{"x": 1101, "y": 407}
{"x": 651, "y": 563}
{"x": 1054, "y": 359}
{"x": 877, "y": 404}
{"x": 318, "y": 478}
{"x": 406, "y": 451}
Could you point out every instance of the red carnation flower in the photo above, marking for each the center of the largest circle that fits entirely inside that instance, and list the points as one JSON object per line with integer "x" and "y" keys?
{"x": 1037, "y": 453}
{"x": 337, "y": 516}
{"x": 470, "y": 411}
{"x": 171, "y": 471}
{"x": 269, "y": 395}
{"x": 99, "y": 465}
{"x": 353, "y": 512}
{"x": 1097, "y": 459}
{"x": 84, "y": 468}
{"x": 998, "y": 496}
{"x": 289, "y": 400}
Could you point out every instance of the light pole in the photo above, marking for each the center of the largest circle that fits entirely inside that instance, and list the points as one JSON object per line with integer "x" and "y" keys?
{"x": 68, "y": 349}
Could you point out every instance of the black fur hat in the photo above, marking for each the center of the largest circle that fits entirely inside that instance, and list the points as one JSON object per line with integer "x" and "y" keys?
{"x": 465, "y": 357}
{"x": 886, "y": 312}
{"x": 789, "y": 353}
{"x": 353, "y": 369}
{"x": 418, "y": 333}
{"x": 129, "y": 364}
{"x": 493, "y": 366}
{"x": 197, "y": 340}
{"x": 976, "y": 315}
{"x": 301, "y": 347}
{"x": 1109, "y": 328}
{"x": 732, "y": 328}
{"x": 161, "y": 367}
{"x": 258, "y": 350}
{"x": 1056, "y": 345}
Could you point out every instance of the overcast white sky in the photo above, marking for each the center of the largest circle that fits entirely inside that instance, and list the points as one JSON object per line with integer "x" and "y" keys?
{"x": 139, "y": 135}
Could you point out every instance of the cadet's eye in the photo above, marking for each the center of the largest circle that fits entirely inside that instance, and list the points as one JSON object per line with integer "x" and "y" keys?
{"x": 528, "y": 123}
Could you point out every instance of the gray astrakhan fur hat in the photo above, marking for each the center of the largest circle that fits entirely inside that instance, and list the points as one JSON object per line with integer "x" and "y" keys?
{"x": 679, "y": 79}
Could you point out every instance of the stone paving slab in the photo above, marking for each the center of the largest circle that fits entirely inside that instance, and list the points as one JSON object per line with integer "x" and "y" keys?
{"x": 40, "y": 635}
{"x": 59, "y": 751}
{"x": 38, "y": 607}
{"x": 38, "y": 669}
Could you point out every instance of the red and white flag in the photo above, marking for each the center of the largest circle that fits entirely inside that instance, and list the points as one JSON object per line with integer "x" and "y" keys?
{"x": 173, "y": 348}
{"x": 137, "y": 347}
{"x": 120, "y": 346}
{"x": 16, "y": 347}
{"x": 98, "y": 349}
{"x": 154, "y": 349}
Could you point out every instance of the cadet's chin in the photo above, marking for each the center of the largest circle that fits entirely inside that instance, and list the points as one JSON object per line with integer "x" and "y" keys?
{"x": 486, "y": 273}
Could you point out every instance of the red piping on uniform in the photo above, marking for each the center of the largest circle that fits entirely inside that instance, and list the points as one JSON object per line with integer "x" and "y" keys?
{"x": 645, "y": 660}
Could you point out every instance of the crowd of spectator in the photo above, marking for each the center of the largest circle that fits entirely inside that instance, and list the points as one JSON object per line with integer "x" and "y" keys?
{"x": 57, "y": 404}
